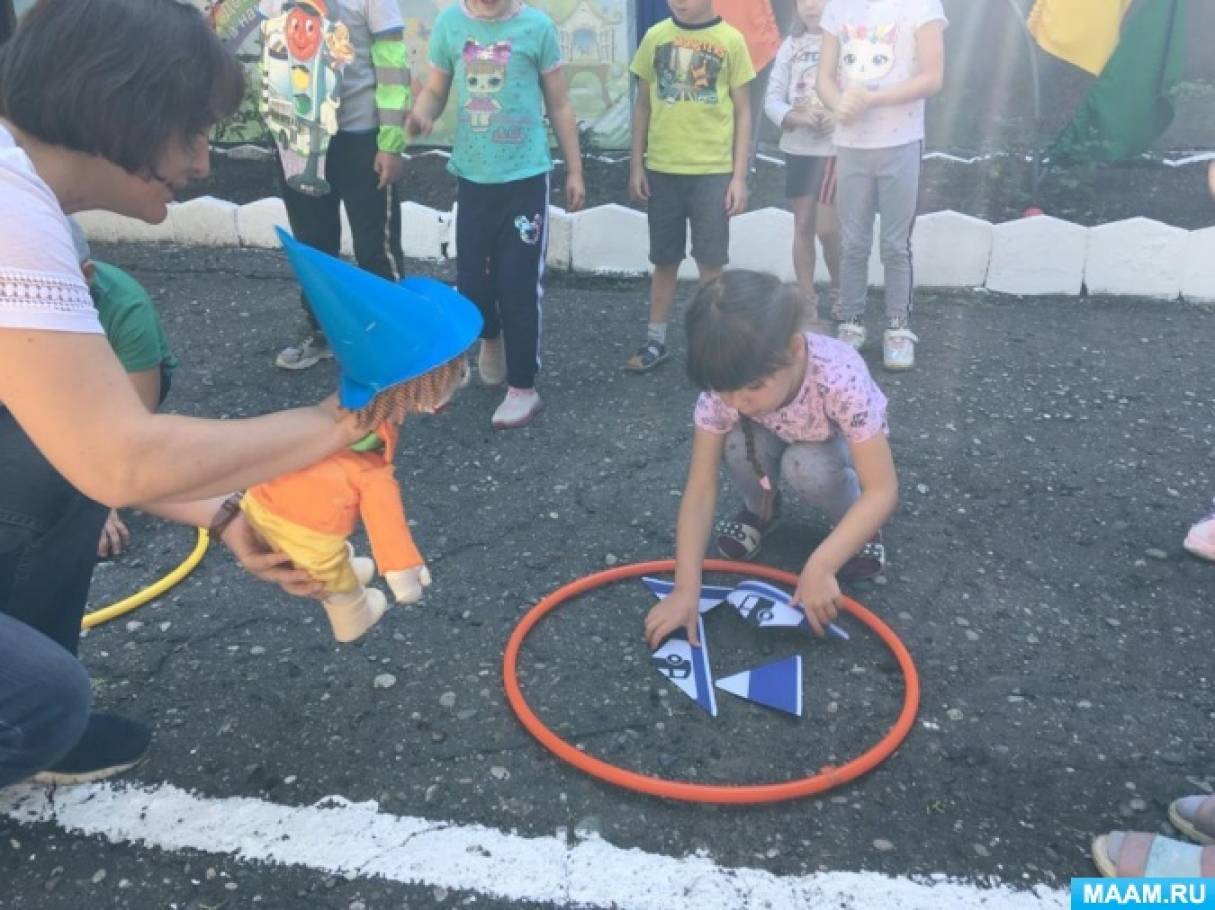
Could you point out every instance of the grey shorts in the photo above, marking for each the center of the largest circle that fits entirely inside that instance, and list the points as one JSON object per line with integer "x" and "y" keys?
{"x": 679, "y": 199}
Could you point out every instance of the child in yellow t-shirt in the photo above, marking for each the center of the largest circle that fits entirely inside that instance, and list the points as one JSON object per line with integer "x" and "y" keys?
{"x": 691, "y": 147}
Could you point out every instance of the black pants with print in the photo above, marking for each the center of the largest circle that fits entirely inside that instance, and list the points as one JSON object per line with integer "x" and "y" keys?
{"x": 501, "y": 239}
{"x": 374, "y": 214}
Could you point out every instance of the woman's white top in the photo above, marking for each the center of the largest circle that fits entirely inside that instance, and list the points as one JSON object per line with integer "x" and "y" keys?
{"x": 41, "y": 285}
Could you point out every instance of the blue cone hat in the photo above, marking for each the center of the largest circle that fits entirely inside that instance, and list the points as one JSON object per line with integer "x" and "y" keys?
{"x": 382, "y": 334}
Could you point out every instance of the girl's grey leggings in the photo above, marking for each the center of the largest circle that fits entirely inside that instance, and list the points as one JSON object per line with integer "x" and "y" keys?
{"x": 884, "y": 182}
{"x": 819, "y": 472}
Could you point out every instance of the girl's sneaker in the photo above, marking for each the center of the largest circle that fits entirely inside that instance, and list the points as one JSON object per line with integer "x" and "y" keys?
{"x": 852, "y": 334}
{"x": 898, "y": 349}
{"x": 517, "y": 409}
{"x": 740, "y": 537}
{"x": 308, "y": 353}
{"x": 1201, "y": 539}
{"x": 870, "y": 561}
{"x": 491, "y": 361}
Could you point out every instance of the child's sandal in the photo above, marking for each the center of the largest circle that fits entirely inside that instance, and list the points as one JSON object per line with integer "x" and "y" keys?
{"x": 869, "y": 561}
{"x": 1194, "y": 816}
{"x": 740, "y": 538}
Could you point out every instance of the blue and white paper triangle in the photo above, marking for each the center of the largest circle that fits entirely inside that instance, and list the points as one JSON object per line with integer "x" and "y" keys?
{"x": 710, "y": 595}
{"x": 776, "y": 685}
{"x": 765, "y": 606}
{"x": 687, "y": 667}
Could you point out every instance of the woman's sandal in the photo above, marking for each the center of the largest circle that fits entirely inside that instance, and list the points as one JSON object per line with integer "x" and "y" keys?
{"x": 1194, "y": 816}
{"x": 1126, "y": 854}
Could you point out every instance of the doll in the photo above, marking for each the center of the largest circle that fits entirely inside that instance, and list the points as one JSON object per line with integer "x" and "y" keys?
{"x": 308, "y": 514}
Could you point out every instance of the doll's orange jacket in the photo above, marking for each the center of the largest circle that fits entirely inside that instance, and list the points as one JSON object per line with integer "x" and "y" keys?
{"x": 331, "y": 495}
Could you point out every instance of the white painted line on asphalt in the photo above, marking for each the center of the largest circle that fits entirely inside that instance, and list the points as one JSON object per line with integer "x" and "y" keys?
{"x": 356, "y": 840}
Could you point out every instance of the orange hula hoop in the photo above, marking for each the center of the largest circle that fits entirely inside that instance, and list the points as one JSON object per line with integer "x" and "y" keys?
{"x": 826, "y": 779}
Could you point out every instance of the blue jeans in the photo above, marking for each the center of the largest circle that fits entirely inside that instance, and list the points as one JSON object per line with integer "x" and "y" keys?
{"x": 48, "y": 540}
{"x": 48, "y": 547}
{"x": 44, "y": 701}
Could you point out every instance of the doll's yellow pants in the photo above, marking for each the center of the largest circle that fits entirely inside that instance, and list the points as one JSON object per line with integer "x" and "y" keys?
{"x": 324, "y": 556}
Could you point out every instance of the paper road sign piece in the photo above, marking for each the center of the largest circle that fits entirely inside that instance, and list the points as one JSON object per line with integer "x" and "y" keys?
{"x": 710, "y": 595}
{"x": 776, "y": 685}
{"x": 687, "y": 667}
{"x": 764, "y": 606}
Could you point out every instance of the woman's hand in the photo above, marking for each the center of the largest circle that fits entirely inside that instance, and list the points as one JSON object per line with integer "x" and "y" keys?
{"x": 350, "y": 425}
{"x": 678, "y": 609}
{"x": 818, "y": 595}
{"x": 262, "y": 562}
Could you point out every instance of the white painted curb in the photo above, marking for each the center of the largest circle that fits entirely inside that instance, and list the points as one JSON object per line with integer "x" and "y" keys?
{"x": 950, "y": 250}
{"x": 1137, "y": 256}
{"x": 1037, "y": 255}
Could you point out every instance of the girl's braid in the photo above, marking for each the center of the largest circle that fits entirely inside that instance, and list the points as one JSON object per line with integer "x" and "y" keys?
{"x": 767, "y": 504}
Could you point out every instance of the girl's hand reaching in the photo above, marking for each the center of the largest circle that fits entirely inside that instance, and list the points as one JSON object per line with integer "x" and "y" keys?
{"x": 818, "y": 595}
{"x": 677, "y": 609}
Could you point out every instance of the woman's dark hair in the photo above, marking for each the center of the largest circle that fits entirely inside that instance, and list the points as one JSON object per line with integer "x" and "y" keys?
{"x": 738, "y": 329}
{"x": 123, "y": 79}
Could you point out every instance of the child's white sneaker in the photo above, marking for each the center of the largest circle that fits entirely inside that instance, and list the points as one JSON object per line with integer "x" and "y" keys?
{"x": 898, "y": 349}
{"x": 354, "y": 613}
{"x": 852, "y": 334}
{"x": 491, "y": 361}
{"x": 408, "y": 584}
{"x": 517, "y": 409}
{"x": 1201, "y": 539}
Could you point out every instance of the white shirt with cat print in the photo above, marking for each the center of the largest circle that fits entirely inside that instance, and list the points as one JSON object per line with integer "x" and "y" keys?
{"x": 878, "y": 48}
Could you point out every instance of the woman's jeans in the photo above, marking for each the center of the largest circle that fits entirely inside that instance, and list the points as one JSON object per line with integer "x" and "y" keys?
{"x": 48, "y": 547}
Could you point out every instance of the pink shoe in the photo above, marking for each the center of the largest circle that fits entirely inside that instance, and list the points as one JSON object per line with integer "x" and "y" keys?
{"x": 517, "y": 408}
{"x": 1201, "y": 539}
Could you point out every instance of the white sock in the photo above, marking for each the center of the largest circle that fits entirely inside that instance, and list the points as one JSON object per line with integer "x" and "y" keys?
{"x": 657, "y": 332}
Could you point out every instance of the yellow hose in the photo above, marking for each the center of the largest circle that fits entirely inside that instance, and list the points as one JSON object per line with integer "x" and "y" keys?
{"x": 152, "y": 591}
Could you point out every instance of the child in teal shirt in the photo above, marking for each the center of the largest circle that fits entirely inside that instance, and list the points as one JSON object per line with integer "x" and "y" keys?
{"x": 132, "y": 327}
{"x": 504, "y": 61}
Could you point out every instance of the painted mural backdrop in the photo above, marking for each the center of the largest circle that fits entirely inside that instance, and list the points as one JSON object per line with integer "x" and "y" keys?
{"x": 595, "y": 43}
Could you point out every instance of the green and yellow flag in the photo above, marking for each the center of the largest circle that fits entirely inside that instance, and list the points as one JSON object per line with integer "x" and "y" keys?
{"x": 1082, "y": 32}
{"x": 1137, "y": 64}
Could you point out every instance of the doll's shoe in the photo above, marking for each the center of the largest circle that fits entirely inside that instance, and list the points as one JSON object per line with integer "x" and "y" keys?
{"x": 407, "y": 584}
{"x": 363, "y": 566}
{"x": 354, "y": 613}
{"x": 364, "y": 569}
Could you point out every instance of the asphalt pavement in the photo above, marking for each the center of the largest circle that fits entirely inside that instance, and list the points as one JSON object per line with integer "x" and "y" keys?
{"x": 1051, "y": 454}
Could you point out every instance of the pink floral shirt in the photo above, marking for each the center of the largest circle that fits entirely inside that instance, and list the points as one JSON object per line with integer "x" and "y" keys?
{"x": 837, "y": 396}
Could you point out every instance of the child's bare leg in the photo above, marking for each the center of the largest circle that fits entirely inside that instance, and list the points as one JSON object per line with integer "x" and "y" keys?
{"x": 828, "y": 230}
{"x": 662, "y": 292}
{"x": 707, "y": 273}
{"x": 662, "y": 296}
{"x": 805, "y": 220}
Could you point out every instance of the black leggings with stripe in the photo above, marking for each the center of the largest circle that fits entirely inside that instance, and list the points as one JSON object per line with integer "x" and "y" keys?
{"x": 374, "y": 214}
{"x": 501, "y": 239}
